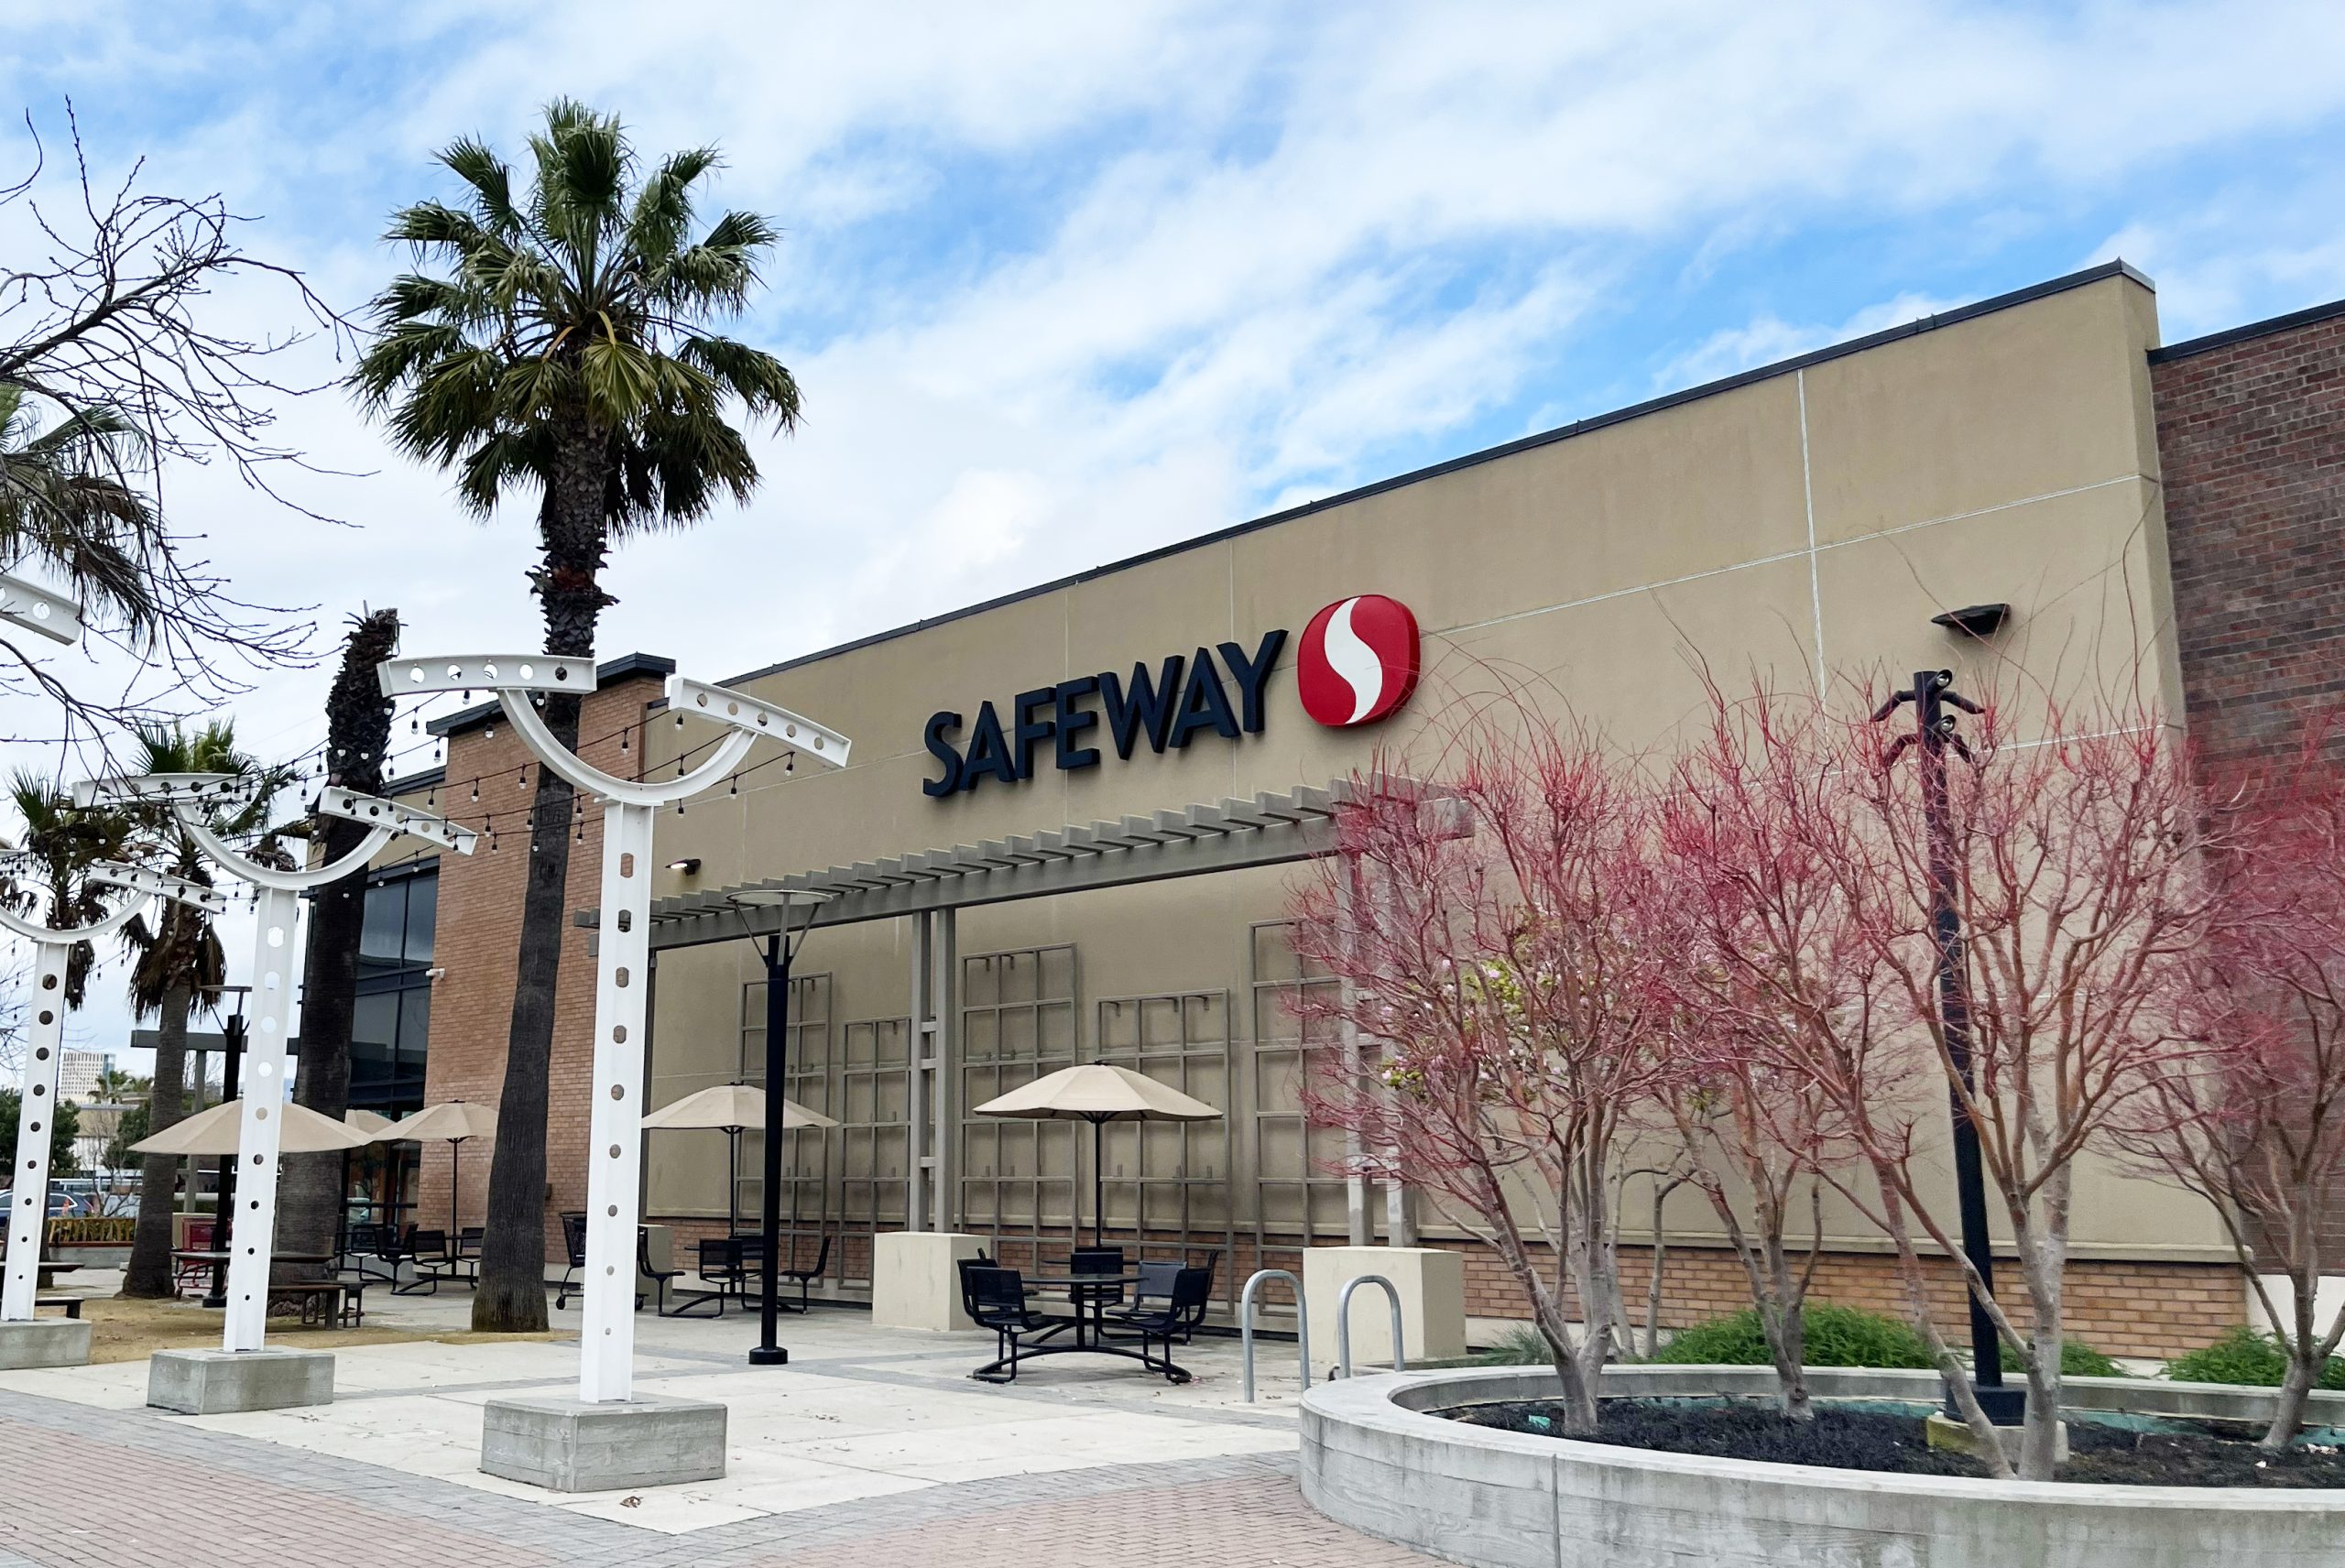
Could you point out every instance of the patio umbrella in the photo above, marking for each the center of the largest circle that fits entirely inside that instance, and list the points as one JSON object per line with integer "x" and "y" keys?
{"x": 368, "y": 1122}
{"x": 729, "y": 1109}
{"x": 215, "y": 1132}
{"x": 1098, "y": 1093}
{"x": 450, "y": 1122}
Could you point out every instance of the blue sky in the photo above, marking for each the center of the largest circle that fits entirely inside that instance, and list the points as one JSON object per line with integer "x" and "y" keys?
{"x": 1063, "y": 282}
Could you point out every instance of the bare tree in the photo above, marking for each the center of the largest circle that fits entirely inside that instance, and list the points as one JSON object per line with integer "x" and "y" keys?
{"x": 112, "y": 355}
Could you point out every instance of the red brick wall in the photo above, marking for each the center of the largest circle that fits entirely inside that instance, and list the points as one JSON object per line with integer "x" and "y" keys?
{"x": 479, "y": 934}
{"x": 2251, "y": 441}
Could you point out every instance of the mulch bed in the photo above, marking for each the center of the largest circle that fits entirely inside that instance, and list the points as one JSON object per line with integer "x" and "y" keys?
{"x": 1848, "y": 1437}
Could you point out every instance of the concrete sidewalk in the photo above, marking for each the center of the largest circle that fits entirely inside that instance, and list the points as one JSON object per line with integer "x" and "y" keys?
{"x": 871, "y": 1435}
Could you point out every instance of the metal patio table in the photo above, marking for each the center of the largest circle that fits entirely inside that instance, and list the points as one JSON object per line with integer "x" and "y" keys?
{"x": 1090, "y": 1295}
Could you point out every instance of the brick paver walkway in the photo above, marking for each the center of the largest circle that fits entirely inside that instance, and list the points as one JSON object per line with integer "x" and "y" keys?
{"x": 81, "y": 1486}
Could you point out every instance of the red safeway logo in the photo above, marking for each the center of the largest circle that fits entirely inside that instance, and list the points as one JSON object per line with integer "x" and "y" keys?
{"x": 1357, "y": 661}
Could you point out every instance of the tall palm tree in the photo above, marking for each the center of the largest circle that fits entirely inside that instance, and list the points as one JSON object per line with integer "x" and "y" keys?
{"x": 178, "y": 967}
{"x": 67, "y": 503}
{"x": 358, "y": 735}
{"x": 564, "y": 351}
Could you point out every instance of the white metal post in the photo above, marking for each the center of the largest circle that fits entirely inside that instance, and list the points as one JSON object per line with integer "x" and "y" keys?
{"x": 277, "y": 905}
{"x": 613, "y": 1168}
{"x": 44, "y": 1044}
{"x": 253, "y": 1229}
{"x": 613, "y": 1173}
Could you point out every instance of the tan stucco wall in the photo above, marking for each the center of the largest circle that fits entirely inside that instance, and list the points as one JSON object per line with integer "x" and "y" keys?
{"x": 1817, "y": 516}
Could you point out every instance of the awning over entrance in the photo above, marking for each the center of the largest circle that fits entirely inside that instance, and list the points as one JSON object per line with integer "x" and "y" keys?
{"x": 1268, "y": 830}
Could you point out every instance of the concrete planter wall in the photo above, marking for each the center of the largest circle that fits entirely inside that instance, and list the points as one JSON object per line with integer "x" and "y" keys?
{"x": 1499, "y": 1499}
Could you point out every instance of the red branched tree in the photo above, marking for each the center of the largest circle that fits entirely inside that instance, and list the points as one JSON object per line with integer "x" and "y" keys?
{"x": 1775, "y": 977}
{"x": 1489, "y": 940}
{"x": 2262, "y": 1135}
{"x": 2075, "y": 871}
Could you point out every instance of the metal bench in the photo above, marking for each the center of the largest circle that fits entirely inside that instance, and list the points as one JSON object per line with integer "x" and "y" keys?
{"x": 73, "y": 1304}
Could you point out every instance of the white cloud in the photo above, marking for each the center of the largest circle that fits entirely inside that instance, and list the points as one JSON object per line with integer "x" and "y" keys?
{"x": 1064, "y": 283}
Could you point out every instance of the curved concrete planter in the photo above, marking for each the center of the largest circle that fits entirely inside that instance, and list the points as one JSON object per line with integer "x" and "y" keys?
{"x": 1371, "y": 1460}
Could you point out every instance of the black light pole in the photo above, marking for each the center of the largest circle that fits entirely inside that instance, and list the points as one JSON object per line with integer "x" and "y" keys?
{"x": 779, "y": 955}
{"x": 223, "y": 1209}
{"x": 1932, "y": 695}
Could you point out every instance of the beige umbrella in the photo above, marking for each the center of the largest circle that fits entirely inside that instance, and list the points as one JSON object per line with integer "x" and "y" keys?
{"x": 450, "y": 1122}
{"x": 215, "y": 1132}
{"x": 1098, "y": 1093}
{"x": 729, "y": 1109}
{"x": 368, "y": 1122}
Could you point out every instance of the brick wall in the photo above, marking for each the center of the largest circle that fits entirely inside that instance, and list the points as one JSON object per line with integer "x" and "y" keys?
{"x": 480, "y": 933}
{"x": 2252, "y": 442}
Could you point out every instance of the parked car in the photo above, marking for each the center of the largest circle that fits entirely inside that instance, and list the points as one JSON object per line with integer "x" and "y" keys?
{"x": 60, "y": 1204}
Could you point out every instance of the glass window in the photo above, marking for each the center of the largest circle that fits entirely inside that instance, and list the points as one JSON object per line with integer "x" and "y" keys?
{"x": 385, "y": 918}
{"x": 423, "y": 916}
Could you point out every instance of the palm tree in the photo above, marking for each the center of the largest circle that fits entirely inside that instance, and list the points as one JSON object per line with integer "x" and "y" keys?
{"x": 178, "y": 966}
{"x": 62, "y": 839}
{"x": 564, "y": 352}
{"x": 66, "y": 504}
{"x": 358, "y": 734}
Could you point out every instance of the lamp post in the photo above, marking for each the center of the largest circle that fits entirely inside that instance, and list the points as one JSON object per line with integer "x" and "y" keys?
{"x": 44, "y": 1048}
{"x": 778, "y": 954}
{"x": 1933, "y": 695}
{"x": 277, "y": 903}
{"x": 614, "y": 1175}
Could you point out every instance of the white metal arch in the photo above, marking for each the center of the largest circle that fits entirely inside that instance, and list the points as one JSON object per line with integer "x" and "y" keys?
{"x": 44, "y": 1053}
{"x": 277, "y": 907}
{"x": 623, "y": 960}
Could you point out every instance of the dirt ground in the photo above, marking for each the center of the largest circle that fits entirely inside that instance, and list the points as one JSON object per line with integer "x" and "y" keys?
{"x": 122, "y": 1329}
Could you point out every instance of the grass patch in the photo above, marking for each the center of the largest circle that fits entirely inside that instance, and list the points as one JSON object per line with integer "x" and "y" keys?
{"x": 124, "y": 1328}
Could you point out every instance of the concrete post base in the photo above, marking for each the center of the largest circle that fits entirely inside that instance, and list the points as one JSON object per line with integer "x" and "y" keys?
{"x": 222, "y": 1382}
{"x": 568, "y": 1445}
{"x": 1942, "y": 1431}
{"x": 915, "y": 1282}
{"x": 1431, "y": 1283}
{"x": 44, "y": 1341}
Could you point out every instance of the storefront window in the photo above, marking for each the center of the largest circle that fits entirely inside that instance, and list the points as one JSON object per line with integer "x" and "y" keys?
{"x": 391, "y": 1027}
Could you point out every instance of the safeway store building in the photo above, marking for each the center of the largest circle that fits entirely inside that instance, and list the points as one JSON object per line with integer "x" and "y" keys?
{"x": 1075, "y": 815}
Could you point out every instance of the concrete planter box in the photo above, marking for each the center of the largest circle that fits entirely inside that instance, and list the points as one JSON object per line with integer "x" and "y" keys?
{"x": 1499, "y": 1499}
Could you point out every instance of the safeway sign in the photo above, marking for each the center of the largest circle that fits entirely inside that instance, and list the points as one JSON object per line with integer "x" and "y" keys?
{"x": 1357, "y": 664}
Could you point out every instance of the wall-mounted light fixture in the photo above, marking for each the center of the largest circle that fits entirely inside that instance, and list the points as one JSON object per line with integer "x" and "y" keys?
{"x": 1974, "y": 620}
{"x": 689, "y": 866}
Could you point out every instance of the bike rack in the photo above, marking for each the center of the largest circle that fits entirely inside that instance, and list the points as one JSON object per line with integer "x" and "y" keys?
{"x": 1344, "y": 1323}
{"x": 1245, "y": 1323}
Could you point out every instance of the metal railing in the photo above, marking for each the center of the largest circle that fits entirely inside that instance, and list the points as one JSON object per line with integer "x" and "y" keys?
{"x": 1343, "y": 1322}
{"x": 1245, "y": 1324}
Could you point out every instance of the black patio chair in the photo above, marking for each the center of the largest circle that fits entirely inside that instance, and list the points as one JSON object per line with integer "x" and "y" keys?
{"x": 1153, "y": 1292}
{"x": 427, "y": 1253}
{"x": 996, "y": 1299}
{"x": 1178, "y": 1315}
{"x": 574, "y": 1244}
{"x": 360, "y": 1242}
{"x": 728, "y": 1261}
{"x": 804, "y": 1277}
{"x": 1099, "y": 1260}
{"x": 688, "y": 1303}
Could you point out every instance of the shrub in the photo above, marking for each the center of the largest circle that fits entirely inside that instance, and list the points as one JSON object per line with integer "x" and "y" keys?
{"x": 1520, "y": 1345}
{"x": 2245, "y": 1356}
{"x": 1836, "y": 1336}
{"x": 2077, "y": 1359}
